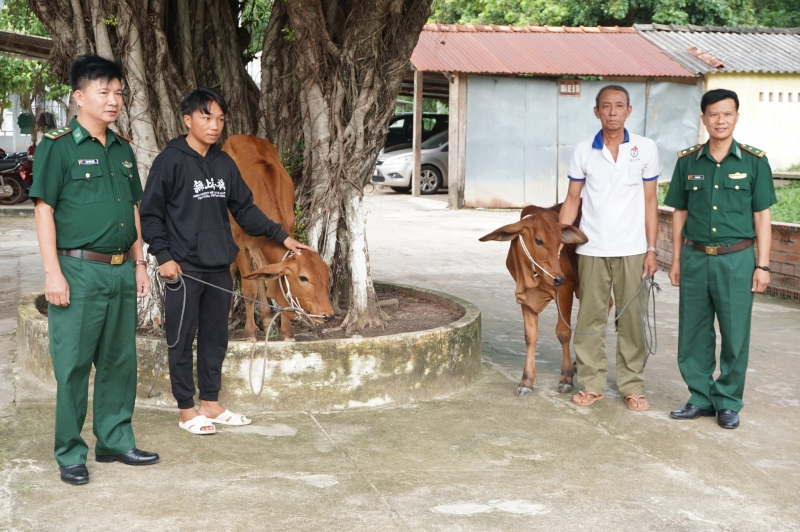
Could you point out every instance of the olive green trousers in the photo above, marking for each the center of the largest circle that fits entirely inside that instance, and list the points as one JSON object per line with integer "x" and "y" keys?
{"x": 715, "y": 286}
{"x": 98, "y": 328}
{"x": 598, "y": 277}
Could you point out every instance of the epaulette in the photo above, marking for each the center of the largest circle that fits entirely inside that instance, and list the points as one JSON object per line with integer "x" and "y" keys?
{"x": 57, "y": 133}
{"x": 687, "y": 151}
{"x": 752, "y": 149}
{"x": 130, "y": 141}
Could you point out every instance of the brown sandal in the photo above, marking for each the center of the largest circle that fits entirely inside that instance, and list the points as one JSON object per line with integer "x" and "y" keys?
{"x": 637, "y": 402}
{"x": 584, "y": 398}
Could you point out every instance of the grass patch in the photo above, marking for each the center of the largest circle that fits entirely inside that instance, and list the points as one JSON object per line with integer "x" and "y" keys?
{"x": 787, "y": 209}
{"x": 662, "y": 192}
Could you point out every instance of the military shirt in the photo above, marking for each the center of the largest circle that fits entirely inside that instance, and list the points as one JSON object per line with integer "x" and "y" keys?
{"x": 92, "y": 188}
{"x": 721, "y": 196}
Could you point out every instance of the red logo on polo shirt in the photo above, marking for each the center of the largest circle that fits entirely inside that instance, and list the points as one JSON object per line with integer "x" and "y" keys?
{"x": 635, "y": 152}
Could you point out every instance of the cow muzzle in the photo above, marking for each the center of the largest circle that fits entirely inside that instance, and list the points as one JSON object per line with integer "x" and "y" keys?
{"x": 558, "y": 281}
{"x": 327, "y": 317}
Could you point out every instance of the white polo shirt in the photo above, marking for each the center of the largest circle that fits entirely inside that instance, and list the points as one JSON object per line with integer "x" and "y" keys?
{"x": 613, "y": 194}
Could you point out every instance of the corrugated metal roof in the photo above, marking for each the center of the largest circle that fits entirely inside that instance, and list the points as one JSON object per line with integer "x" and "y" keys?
{"x": 543, "y": 50}
{"x": 767, "y": 50}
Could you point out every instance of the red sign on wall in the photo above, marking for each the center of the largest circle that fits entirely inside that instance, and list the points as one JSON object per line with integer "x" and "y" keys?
{"x": 569, "y": 87}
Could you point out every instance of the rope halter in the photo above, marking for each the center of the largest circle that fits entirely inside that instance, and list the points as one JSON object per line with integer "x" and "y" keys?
{"x": 286, "y": 290}
{"x": 534, "y": 264}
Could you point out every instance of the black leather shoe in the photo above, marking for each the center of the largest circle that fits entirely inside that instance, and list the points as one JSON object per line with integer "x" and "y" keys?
{"x": 133, "y": 457}
{"x": 75, "y": 474}
{"x": 727, "y": 419}
{"x": 690, "y": 411}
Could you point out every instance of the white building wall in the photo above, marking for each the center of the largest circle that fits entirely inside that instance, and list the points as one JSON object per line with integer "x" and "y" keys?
{"x": 769, "y": 113}
{"x": 10, "y": 137}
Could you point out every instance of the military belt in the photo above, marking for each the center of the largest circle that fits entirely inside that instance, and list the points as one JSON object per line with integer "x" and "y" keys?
{"x": 722, "y": 250}
{"x": 114, "y": 260}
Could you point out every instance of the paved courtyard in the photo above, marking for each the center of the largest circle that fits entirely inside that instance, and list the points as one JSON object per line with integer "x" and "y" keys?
{"x": 480, "y": 460}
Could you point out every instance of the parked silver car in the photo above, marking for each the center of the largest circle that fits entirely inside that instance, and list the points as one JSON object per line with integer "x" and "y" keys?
{"x": 394, "y": 169}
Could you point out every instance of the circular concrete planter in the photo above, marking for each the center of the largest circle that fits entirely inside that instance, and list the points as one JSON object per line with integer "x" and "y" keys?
{"x": 301, "y": 376}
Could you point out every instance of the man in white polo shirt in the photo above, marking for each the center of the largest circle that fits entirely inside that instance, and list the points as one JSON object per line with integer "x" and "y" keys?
{"x": 617, "y": 172}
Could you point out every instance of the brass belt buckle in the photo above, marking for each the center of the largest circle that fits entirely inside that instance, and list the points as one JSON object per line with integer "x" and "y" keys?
{"x": 116, "y": 260}
{"x": 711, "y": 250}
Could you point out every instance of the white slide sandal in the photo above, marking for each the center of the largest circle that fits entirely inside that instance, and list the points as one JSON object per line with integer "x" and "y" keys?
{"x": 196, "y": 425}
{"x": 229, "y": 418}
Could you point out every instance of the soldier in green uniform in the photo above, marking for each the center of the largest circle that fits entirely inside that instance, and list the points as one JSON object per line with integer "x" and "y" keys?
{"x": 86, "y": 190}
{"x": 721, "y": 192}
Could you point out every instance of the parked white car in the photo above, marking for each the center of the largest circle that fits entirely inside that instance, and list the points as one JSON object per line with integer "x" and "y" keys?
{"x": 394, "y": 169}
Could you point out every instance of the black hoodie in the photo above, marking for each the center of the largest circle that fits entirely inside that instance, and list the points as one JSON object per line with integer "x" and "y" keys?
{"x": 184, "y": 212}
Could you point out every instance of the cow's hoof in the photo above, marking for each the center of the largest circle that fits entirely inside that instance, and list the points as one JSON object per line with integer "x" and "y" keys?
{"x": 523, "y": 391}
{"x": 564, "y": 387}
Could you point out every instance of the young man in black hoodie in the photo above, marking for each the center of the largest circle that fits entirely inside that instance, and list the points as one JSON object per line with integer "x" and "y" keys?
{"x": 184, "y": 216}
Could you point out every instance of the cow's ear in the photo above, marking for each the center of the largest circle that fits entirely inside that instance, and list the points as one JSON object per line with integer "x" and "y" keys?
{"x": 572, "y": 235}
{"x": 505, "y": 233}
{"x": 267, "y": 273}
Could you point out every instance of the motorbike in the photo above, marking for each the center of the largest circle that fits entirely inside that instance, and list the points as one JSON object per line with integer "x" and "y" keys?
{"x": 16, "y": 176}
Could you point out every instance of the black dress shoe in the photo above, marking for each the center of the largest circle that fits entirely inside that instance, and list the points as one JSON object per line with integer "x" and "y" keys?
{"x": 132, "y": 457}
{"x": 690, "y": 411}
{"x": 727, "y": 419}
{"x": 75, "y": 474}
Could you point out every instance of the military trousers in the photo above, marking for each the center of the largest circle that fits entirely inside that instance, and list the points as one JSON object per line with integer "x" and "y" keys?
{"x": 715, "y": 286}
{"x": 98, "y": 328}
{"x": 598, "y": 277}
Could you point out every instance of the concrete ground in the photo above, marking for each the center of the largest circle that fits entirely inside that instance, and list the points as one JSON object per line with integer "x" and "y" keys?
{"x": 480, "y": 460}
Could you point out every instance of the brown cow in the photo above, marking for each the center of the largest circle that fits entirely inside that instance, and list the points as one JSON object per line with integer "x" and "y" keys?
{"x": 543, "y": 235}
{"x": 273, "y": 193}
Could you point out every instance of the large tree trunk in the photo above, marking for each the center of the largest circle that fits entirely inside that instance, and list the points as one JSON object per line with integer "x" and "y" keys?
{"x": 331, "y": 71}
{"x": 153, "y": 40}
{"x": 166, "y": 47}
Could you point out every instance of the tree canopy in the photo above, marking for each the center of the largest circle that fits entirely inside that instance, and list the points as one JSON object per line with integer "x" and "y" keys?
{"x": 780, "y": 13}
{"x": 31, "y": 80}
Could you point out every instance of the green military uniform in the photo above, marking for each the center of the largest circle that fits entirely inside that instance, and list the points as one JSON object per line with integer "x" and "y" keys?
{"x": 720, "y": 197}
{"x": 92, "y": 189}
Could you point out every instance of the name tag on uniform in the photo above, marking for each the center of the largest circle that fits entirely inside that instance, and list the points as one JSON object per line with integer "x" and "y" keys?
{"x": 737, "y": 175}
{"x": 85, "y": 162}
{"x": 696, "y": 177}
{"x": 127, "y": 164}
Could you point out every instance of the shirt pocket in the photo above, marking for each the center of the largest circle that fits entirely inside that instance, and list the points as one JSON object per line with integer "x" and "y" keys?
{"x": 695, "y": 192}
{"x": 124, "y": 181}
{"x": 88, "y": 184}
{"x": 634, "y": 174}
{"x": 737, "y": 194}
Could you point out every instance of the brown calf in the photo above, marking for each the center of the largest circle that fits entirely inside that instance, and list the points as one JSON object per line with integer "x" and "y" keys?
{"x": 542, "y": 235}
{"x": 273, "y": 193}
